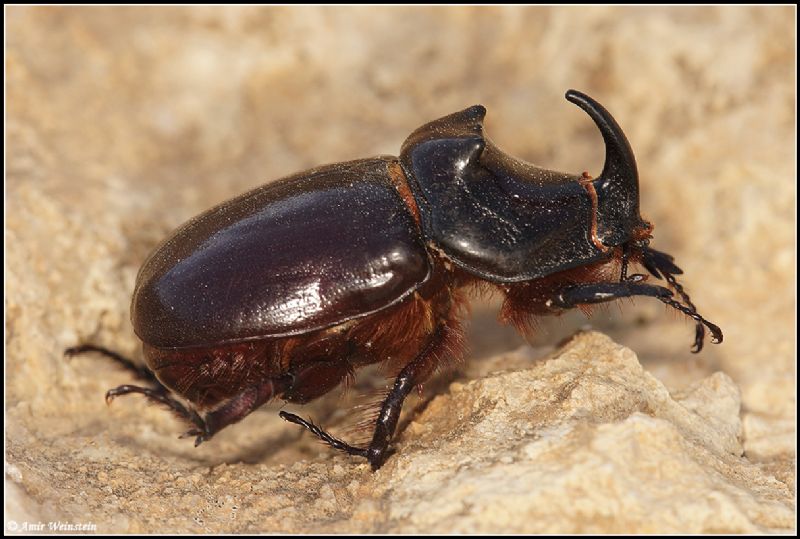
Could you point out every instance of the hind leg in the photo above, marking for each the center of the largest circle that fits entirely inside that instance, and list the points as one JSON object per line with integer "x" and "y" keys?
{"x": 138, "y": 371}
{"x": 159, "y": 396}
{"x": 156, "y": 392}
{"x": 233, "y": 410}
{"x": 302, "y": 384}
{"x": 237, "y": 408}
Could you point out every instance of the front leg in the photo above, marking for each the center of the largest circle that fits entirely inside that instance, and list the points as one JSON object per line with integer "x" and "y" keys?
{"x": 601, "y": 292}
{"x": 662, "y": 265}
{"x": 583, "y": 294}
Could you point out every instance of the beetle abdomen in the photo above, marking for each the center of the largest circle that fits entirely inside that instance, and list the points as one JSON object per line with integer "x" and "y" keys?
{"x": 313, "y": 363}
{"x": 303, "y": 253}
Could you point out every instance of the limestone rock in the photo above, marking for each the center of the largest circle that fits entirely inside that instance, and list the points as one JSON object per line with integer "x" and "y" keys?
{"x": 585, "y": 441}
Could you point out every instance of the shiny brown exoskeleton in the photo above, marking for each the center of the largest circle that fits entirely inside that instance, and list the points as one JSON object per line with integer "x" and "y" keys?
{"x": 286, "y": 290}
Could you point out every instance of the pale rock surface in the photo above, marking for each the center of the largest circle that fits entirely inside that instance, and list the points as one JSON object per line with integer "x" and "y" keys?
{"x": 124, "y": 122}
{"x": 584, "y": 441}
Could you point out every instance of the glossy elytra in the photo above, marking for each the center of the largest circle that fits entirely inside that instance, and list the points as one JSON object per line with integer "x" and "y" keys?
{"x": 285, "y": 291}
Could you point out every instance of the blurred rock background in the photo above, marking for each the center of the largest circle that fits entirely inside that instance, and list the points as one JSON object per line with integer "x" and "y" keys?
{"x": 124, "y": 122}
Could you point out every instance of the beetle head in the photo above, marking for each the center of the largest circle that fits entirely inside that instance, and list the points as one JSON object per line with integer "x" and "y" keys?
{"x": 617, "y": 187}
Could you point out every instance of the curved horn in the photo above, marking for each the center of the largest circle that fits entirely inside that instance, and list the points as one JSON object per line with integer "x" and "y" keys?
{"x": 618, "y": 185}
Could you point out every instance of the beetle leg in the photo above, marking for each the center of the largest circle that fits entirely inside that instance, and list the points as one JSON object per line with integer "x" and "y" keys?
{"x": 237, "y": 408}
{"x": 716, "y": 332}
{"x": 160, "y": 396}
{"x": 623, "y": 271}
{"x": 310, "y": 382}
{"x": 157, "y": 393}
{"x": 699, "y": 330}
{"x": 138, "y": 371}
{"x": 204, "y": 428}
{"x": 413, "y": 374}
{"x": 658, "y": 263}
{"x": 602, "y": 292}
{"x": 324, "y": 436}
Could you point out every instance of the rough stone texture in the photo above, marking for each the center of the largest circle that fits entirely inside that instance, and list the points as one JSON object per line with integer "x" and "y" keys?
{"x": 124, "y": 122}
{"x": 585, "y": 441}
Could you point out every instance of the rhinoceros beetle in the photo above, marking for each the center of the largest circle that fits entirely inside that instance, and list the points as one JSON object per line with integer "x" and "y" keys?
{"x": 286, "y": 290}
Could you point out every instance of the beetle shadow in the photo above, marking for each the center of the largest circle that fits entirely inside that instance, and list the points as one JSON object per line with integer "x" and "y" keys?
{"x": 268, "y": 450}
{"x": 487, "y": 336}
{"x": 286, "y": 443}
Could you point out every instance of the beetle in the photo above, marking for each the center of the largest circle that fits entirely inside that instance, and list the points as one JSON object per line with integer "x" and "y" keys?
{"x": 288, "y": 289}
